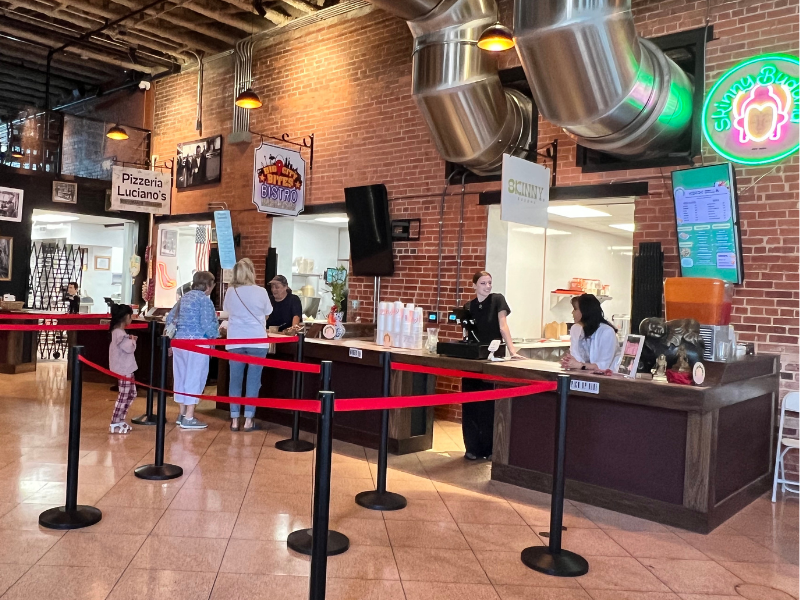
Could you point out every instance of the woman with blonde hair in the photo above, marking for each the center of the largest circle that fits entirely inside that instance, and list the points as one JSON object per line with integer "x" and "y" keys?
{"x": 248, "y": 307}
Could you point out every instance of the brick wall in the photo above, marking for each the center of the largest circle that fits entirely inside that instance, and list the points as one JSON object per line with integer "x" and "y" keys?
{"x": 348, "y": 81}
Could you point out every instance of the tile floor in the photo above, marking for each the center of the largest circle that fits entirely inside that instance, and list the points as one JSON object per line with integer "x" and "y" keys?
{"x": 219, "y": 531}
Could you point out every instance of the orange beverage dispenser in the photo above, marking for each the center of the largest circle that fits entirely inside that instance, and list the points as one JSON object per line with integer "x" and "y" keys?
{"x": 706, "y": 300}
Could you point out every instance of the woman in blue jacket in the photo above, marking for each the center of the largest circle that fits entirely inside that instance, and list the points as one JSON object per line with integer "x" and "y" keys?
{"x": 195, "y": 319}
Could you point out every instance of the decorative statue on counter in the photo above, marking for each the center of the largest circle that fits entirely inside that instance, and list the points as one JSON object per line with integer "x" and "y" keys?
{"x": 682, "y": 364}
{"x": 668, "y": 338}
{"x": 660, "y": 371}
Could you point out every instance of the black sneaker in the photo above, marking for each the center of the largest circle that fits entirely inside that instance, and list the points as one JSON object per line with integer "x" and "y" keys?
{"x": 470, "y": 456}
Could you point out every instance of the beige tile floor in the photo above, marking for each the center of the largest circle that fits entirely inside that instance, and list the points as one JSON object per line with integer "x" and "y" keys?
{"x": 219, "y": 531}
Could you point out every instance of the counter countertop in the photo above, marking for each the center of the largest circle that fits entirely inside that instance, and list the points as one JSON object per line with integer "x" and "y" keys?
{"x": 726, "y": 383}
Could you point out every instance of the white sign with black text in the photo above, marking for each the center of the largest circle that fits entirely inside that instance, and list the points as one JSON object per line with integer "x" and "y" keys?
{"x": 138, "y": 190}
{"x": 525, "y": 192}
{"x": 588, "y": 387}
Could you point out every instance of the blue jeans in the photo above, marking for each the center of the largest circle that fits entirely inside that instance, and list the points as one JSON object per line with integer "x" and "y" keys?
{"x": 253, "y": 380}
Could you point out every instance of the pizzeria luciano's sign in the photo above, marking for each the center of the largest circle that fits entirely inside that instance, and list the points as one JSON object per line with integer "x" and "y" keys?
{"x": 279, "y": 182}
{"x": 752, "y": 114}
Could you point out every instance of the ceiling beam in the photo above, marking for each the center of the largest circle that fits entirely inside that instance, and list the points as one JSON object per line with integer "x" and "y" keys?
{"x": 82, "y": 52}
{"x": 206, "y": 30}
{"x": 250, "y": 26}
{"x": 301, "y": 5}
{"x": 32, "y": 73}
{"x": 270, "y": 14}
{"x": 63, "y": 65}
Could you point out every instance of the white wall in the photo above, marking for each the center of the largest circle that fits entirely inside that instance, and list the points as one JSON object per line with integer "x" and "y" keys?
{"x": 283, "y": 242}
{"x": 526, "y": 272}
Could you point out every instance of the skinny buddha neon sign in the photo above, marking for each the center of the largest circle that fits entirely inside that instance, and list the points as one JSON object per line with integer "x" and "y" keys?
{"x": 752, "y": 114}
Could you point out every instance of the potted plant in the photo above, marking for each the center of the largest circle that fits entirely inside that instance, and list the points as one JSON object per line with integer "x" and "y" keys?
{"x": 337, "y": 288}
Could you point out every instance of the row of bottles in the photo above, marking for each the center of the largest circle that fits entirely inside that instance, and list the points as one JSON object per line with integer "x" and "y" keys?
{"x": 399, "y": 325}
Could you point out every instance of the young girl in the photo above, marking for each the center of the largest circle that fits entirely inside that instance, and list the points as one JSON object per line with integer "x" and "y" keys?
{"x": 122, "y": 361}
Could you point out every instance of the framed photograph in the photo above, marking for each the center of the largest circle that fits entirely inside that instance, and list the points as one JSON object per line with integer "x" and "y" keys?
{"x": 10, "y": 204}
{"x": 102, "y": 263}
{"x": 6, "y": 257}
{"x": 198, "y": 162}
{"x": 65, "y": 192}
{"x": 631, "y": 352}
{"x": 169, "y": 243}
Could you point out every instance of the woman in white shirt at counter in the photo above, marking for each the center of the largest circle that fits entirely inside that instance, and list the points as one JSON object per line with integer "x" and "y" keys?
{"x": 248, "y": 307}
{"x": 593, "y": 344}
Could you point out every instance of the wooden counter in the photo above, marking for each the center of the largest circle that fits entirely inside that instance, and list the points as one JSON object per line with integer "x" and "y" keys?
{"x": 18, "y": 351}
{"x": 686, "y": 456}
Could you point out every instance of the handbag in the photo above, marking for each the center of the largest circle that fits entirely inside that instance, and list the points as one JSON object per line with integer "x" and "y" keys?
{"x": 171, "y": 329}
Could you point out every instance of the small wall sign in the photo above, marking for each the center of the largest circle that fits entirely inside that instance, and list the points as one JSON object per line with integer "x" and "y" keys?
{"x": 279, "y": 180}
{"x": 752, "y": 114}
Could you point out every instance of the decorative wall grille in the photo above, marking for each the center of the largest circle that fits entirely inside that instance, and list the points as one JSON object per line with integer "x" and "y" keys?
{"x": 53, "y": 266}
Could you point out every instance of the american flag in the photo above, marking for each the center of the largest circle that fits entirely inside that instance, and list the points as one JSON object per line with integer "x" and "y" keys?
{"x": 202, "y": 247}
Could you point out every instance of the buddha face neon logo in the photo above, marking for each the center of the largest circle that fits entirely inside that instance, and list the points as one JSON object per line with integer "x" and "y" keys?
{"x": 752, "y": 113}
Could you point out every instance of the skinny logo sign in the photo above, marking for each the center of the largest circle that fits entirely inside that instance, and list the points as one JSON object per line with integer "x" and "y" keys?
{"x": 525, "y": 192}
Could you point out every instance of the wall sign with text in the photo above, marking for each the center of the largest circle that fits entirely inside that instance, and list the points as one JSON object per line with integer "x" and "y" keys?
{"x": 279, "y": 180}
{"x": 138, "y": 190}
{"x": 525, "y": 192}
{"x": 752, "y": 114}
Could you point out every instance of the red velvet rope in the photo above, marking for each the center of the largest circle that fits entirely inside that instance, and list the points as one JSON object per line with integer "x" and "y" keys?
{"x": 312, "y": 406}
{"x": 251, "y": 360}
{"x": 457, "y": 398}
{"x": 454, "y": 373}
{"x": 35, "y": 316}
{"x": 86, "y": 327}
{"x": 243, "y": 342}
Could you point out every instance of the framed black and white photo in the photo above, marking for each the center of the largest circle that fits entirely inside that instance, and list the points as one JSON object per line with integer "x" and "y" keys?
{"x": 65, "y": 192}
{"x": 6, "y": 257}
{"x": 102, "y": 263}
{"x": 199, "y": 162}
{"x": 169, "y": 243}
{"x": 10, "y": 204}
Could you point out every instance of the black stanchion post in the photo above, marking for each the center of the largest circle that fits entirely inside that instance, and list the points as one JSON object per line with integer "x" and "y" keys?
{"x": 552, "y": 559}
{"x": 295, "y": 444}
{"x": 158, "y": 470}
{"x": 72, "y": 515}
{"x": 320, "y": 540}
{"x": 380, "y": 499}
{"x": 149, "y": 418}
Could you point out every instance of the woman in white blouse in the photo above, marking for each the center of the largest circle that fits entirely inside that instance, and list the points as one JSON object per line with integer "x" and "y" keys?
{"x": 248, "y": 307}
{"x": 593, "y": 344}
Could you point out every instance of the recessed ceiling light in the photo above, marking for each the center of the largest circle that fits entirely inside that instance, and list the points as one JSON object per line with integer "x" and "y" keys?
{"x": 624, "y": 226}
{"x": 332, "y": 219}
{"x": 540, "y": 230}
{"x": 575, "y": 211}
{"x": 53, "y": 218}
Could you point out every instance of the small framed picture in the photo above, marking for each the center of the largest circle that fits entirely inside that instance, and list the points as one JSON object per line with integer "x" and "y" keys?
{"x": 11, "y": 204}
{"x": 6, "y": 257}
{"x": 65, "y": 192}
{"x": 631, "y": 353}
{"x": 169, "y": 242}
{"x": 102, "y": 263}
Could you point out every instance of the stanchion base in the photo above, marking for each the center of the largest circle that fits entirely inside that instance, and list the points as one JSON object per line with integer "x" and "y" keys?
{"x": 563, "y": 564}
{"x": 291, "y": 445}
{"x": 61, "y": 518}
{"x": 156, "y": 473}
{"x": 143, "y": 420}
{"x": 300, "y": 542}
{"x": 375, "y": 500}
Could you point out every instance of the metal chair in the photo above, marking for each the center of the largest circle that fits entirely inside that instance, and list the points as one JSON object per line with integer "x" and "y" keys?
{"x": 791, "y": 402}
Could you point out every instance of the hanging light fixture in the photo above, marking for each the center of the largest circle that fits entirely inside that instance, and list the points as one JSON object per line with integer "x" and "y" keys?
{"x": 16, "y": 152}
{"x": 248, "y": 99}
{"x": 496, "y": 38}
{"x": 117, "y": 133}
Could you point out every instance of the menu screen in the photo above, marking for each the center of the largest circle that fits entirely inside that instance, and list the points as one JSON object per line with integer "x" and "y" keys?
{"x": 707, "y": 222}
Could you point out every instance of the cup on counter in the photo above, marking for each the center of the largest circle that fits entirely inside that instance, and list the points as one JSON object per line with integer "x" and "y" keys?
{"x": 741, "y": 350}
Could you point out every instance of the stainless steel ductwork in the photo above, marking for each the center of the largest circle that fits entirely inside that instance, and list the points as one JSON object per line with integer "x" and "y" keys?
{"x": 590, "y": 74}
{"x": 472, "y": 118}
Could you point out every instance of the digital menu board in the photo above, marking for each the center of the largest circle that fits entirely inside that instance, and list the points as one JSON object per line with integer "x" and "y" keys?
{"x": 707, "y": 219}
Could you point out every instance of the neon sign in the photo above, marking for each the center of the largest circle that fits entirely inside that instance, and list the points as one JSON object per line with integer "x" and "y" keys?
{"x": 752, "y": 114}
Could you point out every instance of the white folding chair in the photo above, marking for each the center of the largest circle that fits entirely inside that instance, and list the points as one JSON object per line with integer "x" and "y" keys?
{"x": 791, "y": 402}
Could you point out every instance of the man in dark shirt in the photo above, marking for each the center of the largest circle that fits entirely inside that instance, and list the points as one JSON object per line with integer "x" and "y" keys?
{"x": 287, "y": 310}
{"x": 72, "y": 298}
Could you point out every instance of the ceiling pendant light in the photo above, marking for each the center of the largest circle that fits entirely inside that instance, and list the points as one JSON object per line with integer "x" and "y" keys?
{"x": 496, "y": 38}
{"x": 117, "y": 133}
{"x": 16, "y": 152}
{"x": 248, "y": 99}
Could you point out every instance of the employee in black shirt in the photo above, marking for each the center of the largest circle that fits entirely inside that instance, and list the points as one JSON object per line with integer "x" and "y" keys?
{"x": 72, "y": 298}
{"x": 477, "y": 418}
{"x": 287, "y": 311}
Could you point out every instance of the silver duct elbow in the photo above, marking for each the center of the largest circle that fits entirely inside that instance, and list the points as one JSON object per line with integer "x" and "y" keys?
{"x": 473, "y": 120}
{"x": 591, "y": 75}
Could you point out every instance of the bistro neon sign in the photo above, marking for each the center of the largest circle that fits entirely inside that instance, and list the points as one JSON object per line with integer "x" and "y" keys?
{"x": 752, "y": 114}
